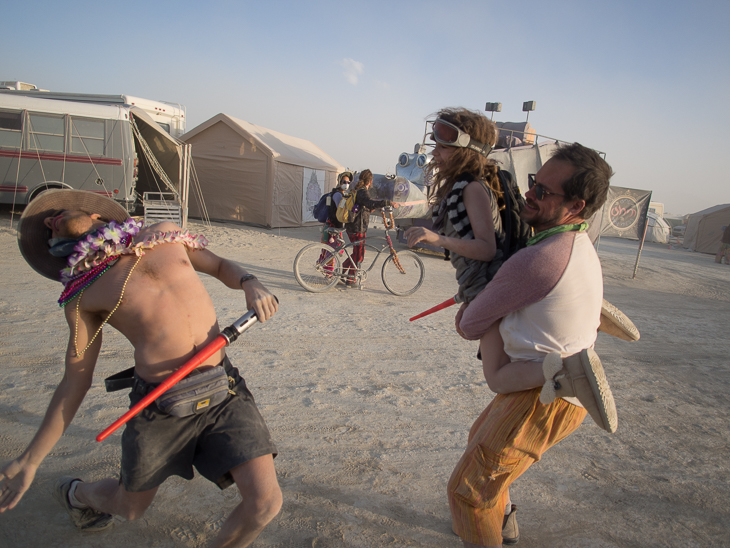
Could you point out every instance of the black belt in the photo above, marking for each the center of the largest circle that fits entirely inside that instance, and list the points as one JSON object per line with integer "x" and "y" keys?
{"x": 128, "y": 379}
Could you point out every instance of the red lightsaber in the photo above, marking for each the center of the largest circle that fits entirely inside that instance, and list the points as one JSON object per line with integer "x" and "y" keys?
{"x": 452, "y": 301}
{"x": 226, "y": 337}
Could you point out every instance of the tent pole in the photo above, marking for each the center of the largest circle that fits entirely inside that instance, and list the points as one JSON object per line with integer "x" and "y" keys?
{"x": 185, "y": 182}
{"x": 643, "y": 237}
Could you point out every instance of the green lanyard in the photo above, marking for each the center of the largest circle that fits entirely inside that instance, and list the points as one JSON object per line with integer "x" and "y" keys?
{"x": 540, "y": 236}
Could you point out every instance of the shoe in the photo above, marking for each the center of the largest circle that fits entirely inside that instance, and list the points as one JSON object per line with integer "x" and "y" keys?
{"x": 86, "y": 519}
{"x": 580, "y": 376}
{"x": 510, "y": 531}
{"x": 616, "y": 323}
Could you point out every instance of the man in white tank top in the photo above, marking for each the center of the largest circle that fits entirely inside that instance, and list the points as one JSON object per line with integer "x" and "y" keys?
{"x": 537, "y": 321}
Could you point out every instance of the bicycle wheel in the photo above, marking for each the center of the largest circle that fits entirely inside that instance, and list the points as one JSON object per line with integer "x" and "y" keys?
{"x": 406, "y": 282}
{"x": 317, "y": 268}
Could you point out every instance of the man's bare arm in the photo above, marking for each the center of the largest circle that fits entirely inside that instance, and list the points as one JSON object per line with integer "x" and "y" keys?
{"x": 228, "y": 272}
{"x": 17, "y": 476}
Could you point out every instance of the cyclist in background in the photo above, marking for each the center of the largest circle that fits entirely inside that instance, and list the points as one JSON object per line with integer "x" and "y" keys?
{"x": 358, "y": 227}
{"x": 343, "y": 185}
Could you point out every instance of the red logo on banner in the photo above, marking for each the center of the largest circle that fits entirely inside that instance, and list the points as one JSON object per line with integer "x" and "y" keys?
{"x": 623, "y": 213}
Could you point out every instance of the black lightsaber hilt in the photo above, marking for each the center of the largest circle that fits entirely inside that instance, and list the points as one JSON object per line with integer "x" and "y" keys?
{"x": 233, "y": 331}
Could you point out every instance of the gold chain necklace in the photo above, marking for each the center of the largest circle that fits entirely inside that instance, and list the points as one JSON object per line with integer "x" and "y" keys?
{"x": 78, "y": 305}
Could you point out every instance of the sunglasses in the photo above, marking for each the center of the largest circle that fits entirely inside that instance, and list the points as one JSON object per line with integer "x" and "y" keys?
{"x": 540, "y": 190}
{"x": 448, "y": 134}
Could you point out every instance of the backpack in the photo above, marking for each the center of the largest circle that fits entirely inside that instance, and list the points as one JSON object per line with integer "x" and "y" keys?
{"x": 332, "y": 208}
{"x": 516, "y": 231}
{"x": 321, "y": 209}
{"x": 344, "y": 210}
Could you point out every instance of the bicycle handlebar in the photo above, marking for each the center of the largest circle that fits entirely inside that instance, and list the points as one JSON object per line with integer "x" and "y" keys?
{"x": 388, "y": 225}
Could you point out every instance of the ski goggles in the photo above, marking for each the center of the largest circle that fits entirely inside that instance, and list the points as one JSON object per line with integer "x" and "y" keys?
{"x": 448, "y": 134}
{"x": 540, "y": 190}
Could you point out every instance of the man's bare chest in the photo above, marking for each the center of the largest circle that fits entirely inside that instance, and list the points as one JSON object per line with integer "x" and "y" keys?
{"x": 135, "y": 279}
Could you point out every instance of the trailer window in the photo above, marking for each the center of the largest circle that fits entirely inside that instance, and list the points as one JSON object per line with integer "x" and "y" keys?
{"x": 11, "y": 128}
{"x": 87, "y": 136}
{"x": 46, "y": 132}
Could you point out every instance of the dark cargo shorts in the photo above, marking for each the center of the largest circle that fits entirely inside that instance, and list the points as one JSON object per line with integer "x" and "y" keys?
{"x": 156, "y": 446}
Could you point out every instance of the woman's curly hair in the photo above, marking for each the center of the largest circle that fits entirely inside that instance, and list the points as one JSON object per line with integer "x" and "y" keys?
{"x": 466, "y": 162}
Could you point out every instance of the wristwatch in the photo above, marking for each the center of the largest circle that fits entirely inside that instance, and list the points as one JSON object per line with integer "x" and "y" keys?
{"x": 246, "y": 278}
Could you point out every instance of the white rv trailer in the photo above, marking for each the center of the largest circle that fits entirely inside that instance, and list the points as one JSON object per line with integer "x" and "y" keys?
{"x": 114, "y": 150}
{"x": 17, "y": 85}
{"x": 170, "y": 116}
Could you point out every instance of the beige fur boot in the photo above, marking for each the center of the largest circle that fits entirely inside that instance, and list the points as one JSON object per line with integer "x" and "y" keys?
{"x": 616, "y": 323}
{"x": 580, "y": 376}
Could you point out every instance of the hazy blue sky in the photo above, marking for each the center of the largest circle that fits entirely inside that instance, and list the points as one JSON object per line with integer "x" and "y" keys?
{"x": 646, "y": 82}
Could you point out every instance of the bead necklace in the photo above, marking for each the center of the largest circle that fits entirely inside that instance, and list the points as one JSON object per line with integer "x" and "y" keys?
{"x": 84, "y": 280}
{"x": 78, "y": 306}
{"x": 99, "y": 251}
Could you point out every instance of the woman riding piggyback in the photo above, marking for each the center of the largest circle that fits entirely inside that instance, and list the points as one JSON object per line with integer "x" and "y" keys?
{"x": 466, "y": 201}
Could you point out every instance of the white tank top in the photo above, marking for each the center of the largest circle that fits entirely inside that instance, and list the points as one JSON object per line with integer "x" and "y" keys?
{"x": 567, "y": 319}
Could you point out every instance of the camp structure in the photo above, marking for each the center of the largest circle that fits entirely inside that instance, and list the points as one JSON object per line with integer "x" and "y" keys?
{"x": 254, "y": 175}
{"x": 704, "y": 229}
{"x": 658, "y": 230}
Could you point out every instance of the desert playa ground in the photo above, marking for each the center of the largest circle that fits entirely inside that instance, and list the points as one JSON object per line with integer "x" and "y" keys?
{"x": 370, "y": 411}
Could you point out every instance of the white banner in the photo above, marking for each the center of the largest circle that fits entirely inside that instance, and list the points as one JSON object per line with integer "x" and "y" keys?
{"x": 312, "y": 190}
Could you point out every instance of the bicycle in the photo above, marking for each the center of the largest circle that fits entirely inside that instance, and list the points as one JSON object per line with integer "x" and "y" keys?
{"x": 318, "y": 267}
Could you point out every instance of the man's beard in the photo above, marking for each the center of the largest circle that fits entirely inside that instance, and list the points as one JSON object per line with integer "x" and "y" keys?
{"x": 539, "y": 218}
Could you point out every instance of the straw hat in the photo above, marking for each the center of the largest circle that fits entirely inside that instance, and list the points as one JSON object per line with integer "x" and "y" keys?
{"x": 33, "y": 235}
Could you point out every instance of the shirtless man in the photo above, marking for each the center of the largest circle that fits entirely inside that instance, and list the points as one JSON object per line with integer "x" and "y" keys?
{"x": 158, "y": 302}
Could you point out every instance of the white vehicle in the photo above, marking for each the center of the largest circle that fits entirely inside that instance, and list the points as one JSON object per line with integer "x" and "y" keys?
{"x": 170, "y": 116}
{"x": 18, "y": 85}
{"x": 115, "y": 150}
{"x": 413, "y": 166}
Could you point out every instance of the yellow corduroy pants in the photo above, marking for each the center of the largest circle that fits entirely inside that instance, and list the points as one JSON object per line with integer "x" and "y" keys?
{"x": 509, "y": 436}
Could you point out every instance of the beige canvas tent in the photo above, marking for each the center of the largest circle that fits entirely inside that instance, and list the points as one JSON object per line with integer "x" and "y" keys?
{"x": 704, "y": 229}
{"x": 251, "y": 174}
